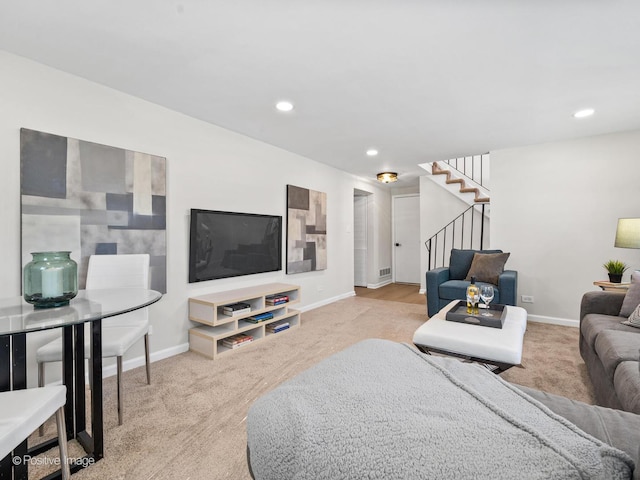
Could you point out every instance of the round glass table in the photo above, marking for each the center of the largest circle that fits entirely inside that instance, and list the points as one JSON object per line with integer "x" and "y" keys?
{"x": 18, "y": 318}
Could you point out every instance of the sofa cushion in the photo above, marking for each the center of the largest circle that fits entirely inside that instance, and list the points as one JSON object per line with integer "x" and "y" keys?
{"x": 594, "y": 323}
{"x": 632, "y": 297}
{"x": 617, "y": 428}
{"x": 627, "y": 385}
{"x": 457, "y": 290}
{"x": 460, "y": 262}
{"x": 614, "y": 347}
{"x": 487, "y": 267}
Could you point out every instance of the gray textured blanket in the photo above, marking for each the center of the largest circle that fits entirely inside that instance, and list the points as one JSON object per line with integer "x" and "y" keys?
{"x": 381, "y": 410}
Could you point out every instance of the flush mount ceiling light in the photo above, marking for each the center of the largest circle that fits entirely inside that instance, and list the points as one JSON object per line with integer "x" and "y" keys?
{"x": 284, "y": 106}
{"x": 387, "y": 177}
{"x": 587, "y": 112}
{"x": 372, "y": 152}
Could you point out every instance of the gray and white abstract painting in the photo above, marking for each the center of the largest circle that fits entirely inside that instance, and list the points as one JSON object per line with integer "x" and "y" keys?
{"x": 306, "y": 230}
{"x": 91, "y": 199}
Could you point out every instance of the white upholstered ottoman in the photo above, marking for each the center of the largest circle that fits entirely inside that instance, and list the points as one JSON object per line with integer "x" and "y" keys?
{"x": 501, "y": 347}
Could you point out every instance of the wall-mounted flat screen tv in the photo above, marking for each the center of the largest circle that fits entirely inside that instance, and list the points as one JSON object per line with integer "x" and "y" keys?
{"x": 229, "y": 244}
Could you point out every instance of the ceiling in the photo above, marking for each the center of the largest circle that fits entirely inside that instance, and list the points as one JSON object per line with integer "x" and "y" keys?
{"x": 419, "y": 80}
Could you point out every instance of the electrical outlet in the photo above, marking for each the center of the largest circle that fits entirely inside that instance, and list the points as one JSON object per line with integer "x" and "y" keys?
{"x": 527, "y": 298}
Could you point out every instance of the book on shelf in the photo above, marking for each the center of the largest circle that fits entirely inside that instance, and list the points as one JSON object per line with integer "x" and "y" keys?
{"x": 277, "y": 327}
{"x": 260, "y": 317}
{"x": 276, "y": 299}
{"x": 233, "y": 313}
{"x": 232, "y": 307}
{"x": 236, "y": 345}
{"x": 237, "y": 339}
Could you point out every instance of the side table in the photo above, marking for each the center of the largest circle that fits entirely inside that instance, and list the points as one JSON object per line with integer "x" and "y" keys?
{"x": 612, "y": 287}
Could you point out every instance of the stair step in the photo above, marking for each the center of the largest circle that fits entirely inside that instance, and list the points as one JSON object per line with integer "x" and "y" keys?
{"x": 436, "y": 170}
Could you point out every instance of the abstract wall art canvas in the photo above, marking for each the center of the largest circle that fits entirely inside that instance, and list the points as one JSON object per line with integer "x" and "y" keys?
{"x": 92, "y": 199}
{"x": 306, "y": 230}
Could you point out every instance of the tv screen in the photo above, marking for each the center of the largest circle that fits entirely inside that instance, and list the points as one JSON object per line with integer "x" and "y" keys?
{"x": 229, "y": 244}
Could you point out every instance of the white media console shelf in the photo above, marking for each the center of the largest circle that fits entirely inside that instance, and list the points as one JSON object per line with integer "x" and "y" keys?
{"x": 208, "y": 339}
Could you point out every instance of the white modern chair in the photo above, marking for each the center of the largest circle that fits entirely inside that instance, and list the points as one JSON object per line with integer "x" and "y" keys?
{"x": 119, "y": 333}
{"x": 23, "y": 411}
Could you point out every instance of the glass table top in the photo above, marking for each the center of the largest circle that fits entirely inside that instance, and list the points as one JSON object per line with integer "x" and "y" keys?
{"x": 18, "y": 316}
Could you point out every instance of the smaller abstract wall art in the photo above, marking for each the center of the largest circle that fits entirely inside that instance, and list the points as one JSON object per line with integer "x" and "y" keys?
{"x": 91, "y": 199}
{"x": 306, "y": 230}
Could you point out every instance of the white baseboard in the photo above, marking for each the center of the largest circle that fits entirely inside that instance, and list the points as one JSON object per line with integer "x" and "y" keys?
{"x": 327, "y": 301}
{"x": 379, "y": 284}
{"x": 422, "y": 291}
{"x": 110, "y": 370}
{"x": 565, "y": 322}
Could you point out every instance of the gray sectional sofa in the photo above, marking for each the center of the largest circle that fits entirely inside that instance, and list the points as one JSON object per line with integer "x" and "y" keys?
{"x": 610, "y": 350}
{"x": 382, "y": 410}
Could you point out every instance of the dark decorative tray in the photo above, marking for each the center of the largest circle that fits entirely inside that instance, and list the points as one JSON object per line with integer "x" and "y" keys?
{"x": 458, "y": 313}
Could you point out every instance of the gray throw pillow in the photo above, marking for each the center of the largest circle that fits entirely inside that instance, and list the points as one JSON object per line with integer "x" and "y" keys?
{"x": 460, "y": 262}
{"x": 487, "y": 267}
{"x": 632, "y": 297}
{"x": 634, "y": 318}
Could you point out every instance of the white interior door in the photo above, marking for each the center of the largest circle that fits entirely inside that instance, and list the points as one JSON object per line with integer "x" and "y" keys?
{"x": 406, "y": 238}
{"x": 360, "y": 241}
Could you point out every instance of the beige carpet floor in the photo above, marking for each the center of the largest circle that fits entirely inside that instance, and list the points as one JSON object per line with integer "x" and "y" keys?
{"x": 190, "y": 423}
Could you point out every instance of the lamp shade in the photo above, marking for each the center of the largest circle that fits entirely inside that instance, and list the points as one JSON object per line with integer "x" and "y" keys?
{"x": 628, "y": 233}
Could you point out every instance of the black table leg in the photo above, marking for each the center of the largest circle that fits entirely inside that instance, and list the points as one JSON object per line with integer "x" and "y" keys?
{"x": 80, "y": 395}
{"x": 5, "y": 384}
{"x": 67, "y": 379}
{"x": 96, "y": 394}
{"x": 13, "y": 358}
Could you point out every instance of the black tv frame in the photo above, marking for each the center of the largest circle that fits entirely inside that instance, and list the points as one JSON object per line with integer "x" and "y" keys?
{"x": 195, "y": 212}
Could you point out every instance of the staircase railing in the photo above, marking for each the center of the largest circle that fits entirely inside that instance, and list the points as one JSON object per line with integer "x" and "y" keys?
{"x": 461, "y": 232}
{"x": 470, "y": 168}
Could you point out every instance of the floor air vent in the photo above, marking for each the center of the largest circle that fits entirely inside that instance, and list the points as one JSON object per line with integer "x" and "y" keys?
{"x": 385, "y": 271}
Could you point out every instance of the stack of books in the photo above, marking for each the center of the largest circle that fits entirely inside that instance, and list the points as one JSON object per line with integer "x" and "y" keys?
{"x": 234, "y": 309}
{"x": 235, "y": 341}
{"x": 277, "y": 327}
{"x": 260, "y": 317}
{"x": 276, "y": 299}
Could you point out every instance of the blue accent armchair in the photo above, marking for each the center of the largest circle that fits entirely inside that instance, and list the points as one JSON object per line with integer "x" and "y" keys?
{"x": 448, "y": 283}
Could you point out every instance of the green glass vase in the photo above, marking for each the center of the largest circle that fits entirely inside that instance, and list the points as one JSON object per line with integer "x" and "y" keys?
{"x": 50, "y": 279}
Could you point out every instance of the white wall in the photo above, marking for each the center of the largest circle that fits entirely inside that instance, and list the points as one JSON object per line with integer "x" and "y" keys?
{"x": 439, "y": 206}
{"x": 207, "y": 167}
{"x": 555, "y": 208}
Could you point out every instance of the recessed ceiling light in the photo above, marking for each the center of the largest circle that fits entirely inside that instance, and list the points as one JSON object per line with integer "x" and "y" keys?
{"x": 587, "y": 112}
{"x": 284, "y": 106}
{"x": 372, "y": 152}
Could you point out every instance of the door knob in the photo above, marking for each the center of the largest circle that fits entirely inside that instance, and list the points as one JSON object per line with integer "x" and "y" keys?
{"x": 397, "y": 244}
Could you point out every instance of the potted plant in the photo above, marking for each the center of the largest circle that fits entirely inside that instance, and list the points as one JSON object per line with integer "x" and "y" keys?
{"x": 615, "y": 268}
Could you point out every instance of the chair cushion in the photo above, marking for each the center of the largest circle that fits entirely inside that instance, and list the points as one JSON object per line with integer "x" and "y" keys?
{"x": 457, "y": 290}
{"x": 460, "y": 262}
{"x": 22, "y": 411}
{"x": 116, "y": 340}
{"x": 487, "y": 267}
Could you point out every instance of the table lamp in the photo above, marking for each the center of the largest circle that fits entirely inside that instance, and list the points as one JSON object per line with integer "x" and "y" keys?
{"x": 628, "y": 233}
